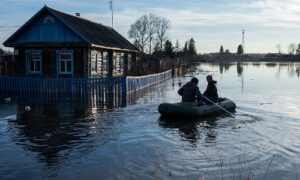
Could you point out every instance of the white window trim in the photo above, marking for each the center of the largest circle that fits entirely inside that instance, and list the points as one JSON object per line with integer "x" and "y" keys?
{"x": 122, "y": 63}
{"x": 59, "y": 53}
{"x": 115, "y": 63}
{"x": 96, "y": 61}
{"x": 33, "y": 51}
{"x": 105, "y": 63}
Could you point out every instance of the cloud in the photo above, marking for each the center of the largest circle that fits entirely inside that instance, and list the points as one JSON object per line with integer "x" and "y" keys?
{"x": 214, "y": 21}
{"x": 287, "y": 10}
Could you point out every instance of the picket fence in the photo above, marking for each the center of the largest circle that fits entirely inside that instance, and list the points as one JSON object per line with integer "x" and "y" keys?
{"x": 103, "y": 87}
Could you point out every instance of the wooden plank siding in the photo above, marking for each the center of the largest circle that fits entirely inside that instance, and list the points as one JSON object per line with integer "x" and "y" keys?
{"x": 111, "y": 71}
{"x": 49, "y": 62}
{"x": 51, "y": 39}
{"x": 81, "y": 62}
{"x": 47, "y": 29}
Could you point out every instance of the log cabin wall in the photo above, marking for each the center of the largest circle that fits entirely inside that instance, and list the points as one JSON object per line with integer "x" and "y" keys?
{"x": 82, "y": 62}
{"x": 49, "y": 62}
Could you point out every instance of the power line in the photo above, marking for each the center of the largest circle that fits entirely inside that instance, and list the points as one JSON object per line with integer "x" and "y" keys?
{"x": 13, "y": 26}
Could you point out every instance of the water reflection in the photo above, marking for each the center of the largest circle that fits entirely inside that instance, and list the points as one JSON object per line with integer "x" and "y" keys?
{"x": 53, "y": 130}
{"x": 271, "y": 64}
{"x": 149, "y": 91}
{"x": 192, "y": 129}
{"x": 239, "y": 68}
{"x": 55, "y": 127}
{"x": 257, "y": 64}
{"x": 292, "y": 68}
{"x": 224, "y": 66}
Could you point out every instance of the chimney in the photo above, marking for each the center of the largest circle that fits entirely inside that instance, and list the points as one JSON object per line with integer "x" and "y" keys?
{"x": 77, "y": 14}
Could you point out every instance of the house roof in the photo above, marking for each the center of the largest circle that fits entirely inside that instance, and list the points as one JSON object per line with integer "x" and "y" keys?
{"x": 94, "y": 34}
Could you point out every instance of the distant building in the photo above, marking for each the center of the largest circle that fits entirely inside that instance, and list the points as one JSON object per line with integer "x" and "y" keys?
{"x": 56, "y": 44}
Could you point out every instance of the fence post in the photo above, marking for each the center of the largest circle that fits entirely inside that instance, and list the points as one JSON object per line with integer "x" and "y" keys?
{"x": 124, "y": 86}
{"x": 124, "y": 91}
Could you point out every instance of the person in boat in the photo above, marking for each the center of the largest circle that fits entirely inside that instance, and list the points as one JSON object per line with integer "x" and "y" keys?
{"x": 190, "y": 92}
{"x": 211, "y": 91}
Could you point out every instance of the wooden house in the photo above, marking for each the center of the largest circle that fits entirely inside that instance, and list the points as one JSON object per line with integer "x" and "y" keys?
{"x": 56, "y": 44}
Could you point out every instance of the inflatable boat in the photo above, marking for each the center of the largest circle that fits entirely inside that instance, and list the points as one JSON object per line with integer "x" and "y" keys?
{"x": 191, "y": 109}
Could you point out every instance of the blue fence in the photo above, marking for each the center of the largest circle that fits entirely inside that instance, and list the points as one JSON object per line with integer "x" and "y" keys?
{"x": 108, "y": 91}
{"x": 36, "y": 86}
{"x": 104, "y": 88}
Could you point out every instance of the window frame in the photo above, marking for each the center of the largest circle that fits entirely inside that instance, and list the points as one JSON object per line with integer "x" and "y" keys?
{"x": 28, "y": 61}
{"x": 115, "y": 63}
{"x": 59, "y": 59}
{"x": 130, "y": 62}
{"x": 105, "y": 63}
{"x": 96, "y": 62}
{"x": 122, "y": 63}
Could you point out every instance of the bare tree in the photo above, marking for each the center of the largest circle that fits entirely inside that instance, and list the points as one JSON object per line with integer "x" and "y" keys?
{"x": 156, "y": 47}
{"x": 278, "y": 47}
{"x": 152, "y": 27}
{"x": 138, "y": 32}
{"x": 145, "y": 28}
{"x": 291, "y": 48}
{"x": 163, "y": 26}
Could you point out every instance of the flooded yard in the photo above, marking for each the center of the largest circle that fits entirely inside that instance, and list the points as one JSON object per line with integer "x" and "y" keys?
{"x": 80, "y": 140}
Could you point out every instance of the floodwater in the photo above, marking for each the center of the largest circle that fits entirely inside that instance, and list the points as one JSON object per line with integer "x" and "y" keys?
{"x": 78, "y": 140}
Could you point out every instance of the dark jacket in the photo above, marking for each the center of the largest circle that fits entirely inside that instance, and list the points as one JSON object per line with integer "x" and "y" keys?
{"x": 211, "y": 91}
{"x": 190, "y": 92}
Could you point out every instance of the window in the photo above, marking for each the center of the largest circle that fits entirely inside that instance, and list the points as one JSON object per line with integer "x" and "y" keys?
{"x": 122, "y": 63}
{"x": 65, "y": 62}
{"x": 94, "y": 62}
{"x": 115, "y": 63}
{"x": 33, "y": 62}
{"x": 130, "y": 62}
{"x": 105, "y": 65}
{"x": 99, "y": 62}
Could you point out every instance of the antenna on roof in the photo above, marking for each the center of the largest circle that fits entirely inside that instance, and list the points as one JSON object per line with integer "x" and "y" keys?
{"x": 112, "y": 13}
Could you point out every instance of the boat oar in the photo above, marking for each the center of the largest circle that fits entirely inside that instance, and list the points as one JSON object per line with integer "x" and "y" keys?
{"x": 218, "y": 106}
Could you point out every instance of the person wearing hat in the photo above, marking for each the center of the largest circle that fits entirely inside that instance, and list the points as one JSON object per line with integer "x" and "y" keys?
{"x": 190, "y": 92}
{"x": 211, "y": 91}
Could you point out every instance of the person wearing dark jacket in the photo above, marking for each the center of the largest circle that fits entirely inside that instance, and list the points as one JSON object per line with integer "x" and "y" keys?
{"x": 211, "y": 91}
{"x": 190, "y": 92}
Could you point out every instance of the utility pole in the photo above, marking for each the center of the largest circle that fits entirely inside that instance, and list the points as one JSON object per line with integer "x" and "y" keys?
{"x": 112, "y": 13}
{"x": 243, "y": 40}
{"x": 243, "y": 45}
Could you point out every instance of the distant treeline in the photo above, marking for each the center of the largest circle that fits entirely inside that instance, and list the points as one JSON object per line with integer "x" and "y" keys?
{"x": 233, "y": 57}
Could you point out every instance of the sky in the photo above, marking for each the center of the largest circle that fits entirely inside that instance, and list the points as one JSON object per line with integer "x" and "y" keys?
{"x": 211, "y": 23}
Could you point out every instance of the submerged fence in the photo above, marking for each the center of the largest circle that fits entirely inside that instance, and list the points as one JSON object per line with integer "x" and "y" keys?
{"x": 105, "y": 88}
{"x": 37, "y": 86}
{"x": 139, "y": 82}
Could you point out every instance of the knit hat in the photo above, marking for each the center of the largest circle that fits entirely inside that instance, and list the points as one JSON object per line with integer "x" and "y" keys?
{"x": 209, "y": 78}
{"x": 195, "y": 80}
